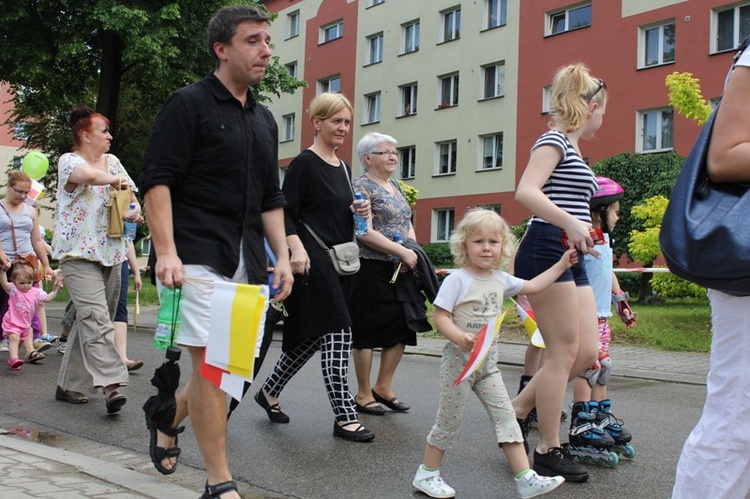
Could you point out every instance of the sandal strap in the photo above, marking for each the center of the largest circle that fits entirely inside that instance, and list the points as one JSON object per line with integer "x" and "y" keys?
{"x": 219, "y": 488}
{"x": 172, "y": 432}
{"x": 360, "y": 427}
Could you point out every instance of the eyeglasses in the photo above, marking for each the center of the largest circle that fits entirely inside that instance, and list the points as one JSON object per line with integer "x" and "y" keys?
{"x": 386, "y": 153}
{"x": 20, "y": 193}
{"x": 602, "y": 85}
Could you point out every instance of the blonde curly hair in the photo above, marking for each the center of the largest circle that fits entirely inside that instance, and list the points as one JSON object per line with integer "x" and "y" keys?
{"x": 481, "y": 219}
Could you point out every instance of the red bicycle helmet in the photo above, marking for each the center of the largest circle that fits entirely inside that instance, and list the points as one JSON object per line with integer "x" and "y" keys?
{"x": 607, "y": 193}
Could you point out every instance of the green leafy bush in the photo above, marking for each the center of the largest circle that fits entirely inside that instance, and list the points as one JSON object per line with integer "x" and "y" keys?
{"x": 439, "y": 254}
{"x": 671, "y": 286}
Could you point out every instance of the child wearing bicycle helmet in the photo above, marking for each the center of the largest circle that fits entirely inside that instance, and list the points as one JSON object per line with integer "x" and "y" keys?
{"x": 590, "y": 402}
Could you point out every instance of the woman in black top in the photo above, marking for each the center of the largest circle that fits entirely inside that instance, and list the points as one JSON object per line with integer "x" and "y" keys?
{"x": 318, "y": 192}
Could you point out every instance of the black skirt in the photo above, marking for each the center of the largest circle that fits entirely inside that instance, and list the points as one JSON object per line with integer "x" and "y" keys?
{"x": 378, "y": 317}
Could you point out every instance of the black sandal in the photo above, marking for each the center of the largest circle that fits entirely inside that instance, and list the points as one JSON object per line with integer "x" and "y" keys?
{"x": 215, "y": 491}
{"x": 159, "y": 454}
{"x": 274, "y": 412}
{"x": 34, "y": 357}
{"x": 358, "y": 434}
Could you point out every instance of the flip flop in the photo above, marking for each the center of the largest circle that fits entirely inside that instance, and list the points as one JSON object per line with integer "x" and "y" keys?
{"x": 34, "y": 357}
{"x": 15, "y": 364}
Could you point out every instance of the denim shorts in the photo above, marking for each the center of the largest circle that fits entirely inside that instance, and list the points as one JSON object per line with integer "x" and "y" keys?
{"x": 540, "y": 249}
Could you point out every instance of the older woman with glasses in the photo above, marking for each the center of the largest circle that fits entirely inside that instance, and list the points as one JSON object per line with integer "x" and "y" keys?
{"x": 378, "y": 308}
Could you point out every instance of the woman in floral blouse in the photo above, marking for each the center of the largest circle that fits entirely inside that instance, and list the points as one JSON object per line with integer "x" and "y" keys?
{"x": 90, "y": 260}
{"x": 377, "y": 304}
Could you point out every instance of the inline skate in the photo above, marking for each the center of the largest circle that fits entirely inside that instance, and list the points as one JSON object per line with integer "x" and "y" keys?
{"x": 587, "y": 442}
{"x": 610, "y": 424}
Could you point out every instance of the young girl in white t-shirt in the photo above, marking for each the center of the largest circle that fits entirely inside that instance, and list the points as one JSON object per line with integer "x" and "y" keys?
{"x": 467, "y": 301}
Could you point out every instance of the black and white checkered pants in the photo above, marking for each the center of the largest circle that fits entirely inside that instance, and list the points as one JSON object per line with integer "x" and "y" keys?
{"x": 335, "y": 348}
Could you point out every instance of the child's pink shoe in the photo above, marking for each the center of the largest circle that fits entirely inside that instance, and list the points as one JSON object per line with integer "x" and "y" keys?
{"x": 15, "y": 364}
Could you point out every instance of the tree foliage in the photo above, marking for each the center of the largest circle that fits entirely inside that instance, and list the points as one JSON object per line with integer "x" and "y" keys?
{"x": 686, "y": 97}
{"x": 642, "y": 176}
{"x": 124, "y": 58}
{"x": 644, "y": 244}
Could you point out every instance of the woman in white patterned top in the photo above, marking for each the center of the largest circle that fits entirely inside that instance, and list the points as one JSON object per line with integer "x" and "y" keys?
{"x": 556, "y": 187}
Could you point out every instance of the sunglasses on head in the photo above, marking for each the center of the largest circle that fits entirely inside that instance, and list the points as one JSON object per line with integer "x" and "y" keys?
{"x": 601, "y": 85}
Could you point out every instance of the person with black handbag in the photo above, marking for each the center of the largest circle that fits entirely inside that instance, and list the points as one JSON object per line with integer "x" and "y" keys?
{"x": 715, "y": 461}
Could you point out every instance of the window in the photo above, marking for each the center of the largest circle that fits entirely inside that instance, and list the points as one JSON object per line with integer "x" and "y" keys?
{"x": 146, "y": 246}
{"x": 447, "y": 152}
{"x": 408, "y": 104}
{"x": 494, "y": 80}
{"x": 372, "y": 3}
{"x": 372, "y": 108}
{"x": 546, "y": 97}
{"x": 492, "y": 152}
{"x": 332, "y": 84}
{"x": 20, "y": 130}
{"x": 448, "y": 91}
{"x": 291, "y": 68}
{"x": 292, "y": 24}
{"x": 497, "y": 13}
{"x": 410, "y": 32}
{"x": 408, "y": 159}
{"x": 442, "y": 224}
{"x": 375, "y": 48}
{"x": 451, "y": 24}
{"x": 657, "y": 45}
{"x": 288, "y": 122}
{"x": 657, "y": 130}
{"x": 571, "y": 18}
{"x": 332, "y": 32}
{"x": 732, "y": 25}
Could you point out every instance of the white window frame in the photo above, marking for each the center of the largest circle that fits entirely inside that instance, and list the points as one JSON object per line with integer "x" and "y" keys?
{"x": 288, "y": 121}
{"x": 332, "y": 31}
{"x": 375, "y": 48}
{"x": 492, "y": 140}
{"x": 372, "y": 108}
{"x": 407, "y": 157}
{"x": 662, "y": 54}
{"x": 495, "y": 13}
{"x": 450, "y": 24}
{"x": 145, "y": 246}
{"x": 564, "y": 15}
{"x": 291, "y": 68}
{"x": 663, "y": 138}
{"x": 546, "y": 99}
{"x": 496, "y": 71}
{"x": 448, "y": 97}
{"x": 443, "y": 220}
{"x": 410, "y": 37}
{"x": 728, "y": 41}
{"x": 292, "y": 24}
{"x": 408, "y": 99}
{"x": 328, "y": 85}
{"x": 449, "y": 150}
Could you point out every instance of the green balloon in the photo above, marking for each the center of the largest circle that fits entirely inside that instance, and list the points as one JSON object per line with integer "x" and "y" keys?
{"x": 35, "y": 164}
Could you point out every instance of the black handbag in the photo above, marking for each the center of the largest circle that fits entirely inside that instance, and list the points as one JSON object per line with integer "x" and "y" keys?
{"x": 705, "y": 234}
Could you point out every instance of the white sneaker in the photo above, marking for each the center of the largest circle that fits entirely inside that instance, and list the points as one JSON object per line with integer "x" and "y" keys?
{"x": 532, "y": 485}
{"x": 62, "y": 346}
{"x": 4, "y": 345}
{"x": 42, "y": 346}
{"x": 431, "y": 484}
{"x": 48, "y": 337}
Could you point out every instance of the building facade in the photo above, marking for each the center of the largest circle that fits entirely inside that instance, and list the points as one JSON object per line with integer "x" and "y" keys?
{"x": 463, "y": 85}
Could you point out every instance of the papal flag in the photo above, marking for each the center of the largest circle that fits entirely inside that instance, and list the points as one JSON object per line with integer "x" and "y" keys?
{"x": 523, "y": 308}
{"x": 235, "y": 335}
{"x": 484, "y": 342}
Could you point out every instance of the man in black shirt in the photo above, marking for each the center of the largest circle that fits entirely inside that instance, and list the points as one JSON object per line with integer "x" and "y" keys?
{"x": 211, "y": 184}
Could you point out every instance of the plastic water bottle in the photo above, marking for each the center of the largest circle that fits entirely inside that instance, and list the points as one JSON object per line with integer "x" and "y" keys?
{"x": 360, "y": 223}
{"x": 130, "y": 226}
{"x": 397, "y": 239}
{"x": 168, "y": 319}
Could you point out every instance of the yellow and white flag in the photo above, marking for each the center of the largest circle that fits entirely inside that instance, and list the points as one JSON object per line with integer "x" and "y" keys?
{"x": 238, "y": 315}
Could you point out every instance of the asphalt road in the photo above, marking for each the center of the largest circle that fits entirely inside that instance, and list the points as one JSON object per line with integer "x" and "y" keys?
{"x": 302, "y": 459}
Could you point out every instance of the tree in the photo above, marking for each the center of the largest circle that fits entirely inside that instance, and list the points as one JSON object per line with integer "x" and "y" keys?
{"x": 122, "y": 57}
{"x": 644, "y": 244}
{"x": 686, "y": 97}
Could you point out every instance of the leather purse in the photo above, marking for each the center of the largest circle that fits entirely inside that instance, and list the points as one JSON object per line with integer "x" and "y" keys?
{"x": 344, "y": 256}
{"x": 705, "y": 237}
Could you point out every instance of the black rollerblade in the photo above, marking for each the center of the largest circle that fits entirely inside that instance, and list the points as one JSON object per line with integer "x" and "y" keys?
{"x": 531, "y": 419}
{"x": 610, "y": 424}
{"x": 589, "y": 443}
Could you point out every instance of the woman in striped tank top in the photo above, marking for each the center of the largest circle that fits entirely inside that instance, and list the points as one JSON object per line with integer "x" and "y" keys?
{"x": 556, "y": 187}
